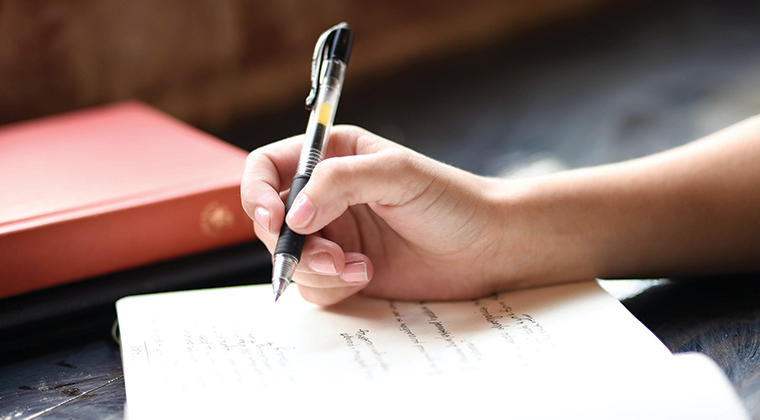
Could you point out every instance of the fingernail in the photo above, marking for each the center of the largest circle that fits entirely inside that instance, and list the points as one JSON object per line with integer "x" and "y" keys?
{"x": 355, "y": 272}
{"x": 323, "y": 263}
{"x": 301, "y": 212}
{"x": 261, "y": 216}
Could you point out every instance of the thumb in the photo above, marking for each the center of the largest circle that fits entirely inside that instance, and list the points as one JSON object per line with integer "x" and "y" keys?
{"x": 391, "y": 177}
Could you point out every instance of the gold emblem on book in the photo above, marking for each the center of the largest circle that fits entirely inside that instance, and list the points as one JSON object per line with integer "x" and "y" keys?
{"x": 215, "y": 218}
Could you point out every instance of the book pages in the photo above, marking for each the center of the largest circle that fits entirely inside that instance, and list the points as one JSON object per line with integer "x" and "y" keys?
{"x": 567, "y": 350}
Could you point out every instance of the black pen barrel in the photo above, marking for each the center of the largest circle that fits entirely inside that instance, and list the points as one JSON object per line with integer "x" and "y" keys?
{"x": 290, "y": 242}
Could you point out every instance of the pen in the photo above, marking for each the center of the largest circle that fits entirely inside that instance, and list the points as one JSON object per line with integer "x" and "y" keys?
{"x": 328, "y": 69}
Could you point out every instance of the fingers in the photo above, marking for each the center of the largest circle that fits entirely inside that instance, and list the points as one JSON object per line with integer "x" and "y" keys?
{"x": 327, "y": 296}
{"x": 270, "y": 169}
{"x": 325, "y": 274}
{"x": 322, "y": 288}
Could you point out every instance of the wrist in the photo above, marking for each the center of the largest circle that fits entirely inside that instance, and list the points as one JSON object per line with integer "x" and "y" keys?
{"x": 545, "y": 230}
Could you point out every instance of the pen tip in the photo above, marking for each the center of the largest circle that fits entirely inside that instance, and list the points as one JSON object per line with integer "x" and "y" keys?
{"x": 283, "y": 268}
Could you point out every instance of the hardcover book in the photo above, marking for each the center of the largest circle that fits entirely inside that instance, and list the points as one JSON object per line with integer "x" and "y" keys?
{"x": 106, "y": 189}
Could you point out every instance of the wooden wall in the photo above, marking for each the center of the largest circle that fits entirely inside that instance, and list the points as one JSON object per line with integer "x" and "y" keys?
{"x": 212, "y": 62}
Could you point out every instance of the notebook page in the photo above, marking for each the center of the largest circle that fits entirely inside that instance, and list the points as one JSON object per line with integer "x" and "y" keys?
{"x": 229, "y": 348}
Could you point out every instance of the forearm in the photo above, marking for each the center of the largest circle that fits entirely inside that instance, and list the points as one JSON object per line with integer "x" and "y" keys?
{"x": 691, "y": 210}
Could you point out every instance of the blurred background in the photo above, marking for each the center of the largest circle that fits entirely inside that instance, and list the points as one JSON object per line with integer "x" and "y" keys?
{"x": 213, "y": 62}
{"x": 499, "y": 87}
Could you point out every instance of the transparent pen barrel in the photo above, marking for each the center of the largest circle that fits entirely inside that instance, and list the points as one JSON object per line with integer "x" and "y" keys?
{"x": 321, "y": 118}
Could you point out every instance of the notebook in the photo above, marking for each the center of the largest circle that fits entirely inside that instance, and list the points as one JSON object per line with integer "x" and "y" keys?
{"x": 566, "y": 351}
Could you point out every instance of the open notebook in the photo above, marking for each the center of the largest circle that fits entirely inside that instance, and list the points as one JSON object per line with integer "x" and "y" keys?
{"x": 567, "y": 351}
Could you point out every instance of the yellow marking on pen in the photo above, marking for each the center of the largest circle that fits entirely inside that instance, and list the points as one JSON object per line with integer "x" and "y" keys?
{"x": 324, "y": 113}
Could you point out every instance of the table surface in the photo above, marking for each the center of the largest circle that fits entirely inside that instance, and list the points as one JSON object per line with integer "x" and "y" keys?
{"x": 626, "y": 83}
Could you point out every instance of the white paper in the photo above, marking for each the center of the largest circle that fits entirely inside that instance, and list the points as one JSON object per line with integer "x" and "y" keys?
{"x": 527, "y": 354}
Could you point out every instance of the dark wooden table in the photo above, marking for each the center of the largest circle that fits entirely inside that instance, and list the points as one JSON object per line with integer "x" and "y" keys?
{"x": 622, "y": 84}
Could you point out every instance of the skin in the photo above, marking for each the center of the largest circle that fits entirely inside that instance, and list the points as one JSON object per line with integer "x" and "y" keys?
{"x": 386, "y": 221}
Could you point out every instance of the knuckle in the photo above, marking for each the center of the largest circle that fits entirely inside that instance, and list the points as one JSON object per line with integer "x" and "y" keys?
{"x": 331, "y": 171}
{"x": 399, "y": 161}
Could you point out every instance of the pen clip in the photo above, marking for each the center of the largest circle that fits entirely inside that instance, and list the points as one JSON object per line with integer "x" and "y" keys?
{"x": 317, "y": 61}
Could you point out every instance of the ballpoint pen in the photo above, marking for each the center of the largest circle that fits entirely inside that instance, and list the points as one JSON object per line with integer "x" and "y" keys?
{"x": 328, "y": 68}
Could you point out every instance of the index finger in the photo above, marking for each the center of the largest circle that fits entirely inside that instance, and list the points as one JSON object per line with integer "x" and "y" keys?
{"x": 268, "y": 171}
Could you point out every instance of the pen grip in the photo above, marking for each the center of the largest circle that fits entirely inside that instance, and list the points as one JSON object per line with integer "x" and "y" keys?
{"x": 290, "y": 242}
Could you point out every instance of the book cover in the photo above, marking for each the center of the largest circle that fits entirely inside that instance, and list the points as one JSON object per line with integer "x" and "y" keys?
{"x": 105, "y": 189}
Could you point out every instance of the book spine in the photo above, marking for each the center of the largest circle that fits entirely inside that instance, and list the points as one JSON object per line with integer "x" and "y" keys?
{"x": 85, "y": 247}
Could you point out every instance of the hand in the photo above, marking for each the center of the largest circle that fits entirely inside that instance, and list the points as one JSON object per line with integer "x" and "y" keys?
{"x": 390, "y": 222}
{"x": 380, "y": 219}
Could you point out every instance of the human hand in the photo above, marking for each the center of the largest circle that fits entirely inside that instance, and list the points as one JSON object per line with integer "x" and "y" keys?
{"x": 379, "y": 218}
{"x": 390, "y": 222}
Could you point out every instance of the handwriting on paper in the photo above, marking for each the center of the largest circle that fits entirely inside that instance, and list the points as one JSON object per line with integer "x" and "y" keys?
{"x": 406, "y": 338}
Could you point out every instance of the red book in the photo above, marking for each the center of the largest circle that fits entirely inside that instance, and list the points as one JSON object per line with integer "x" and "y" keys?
{"x": 101, "y": 190}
